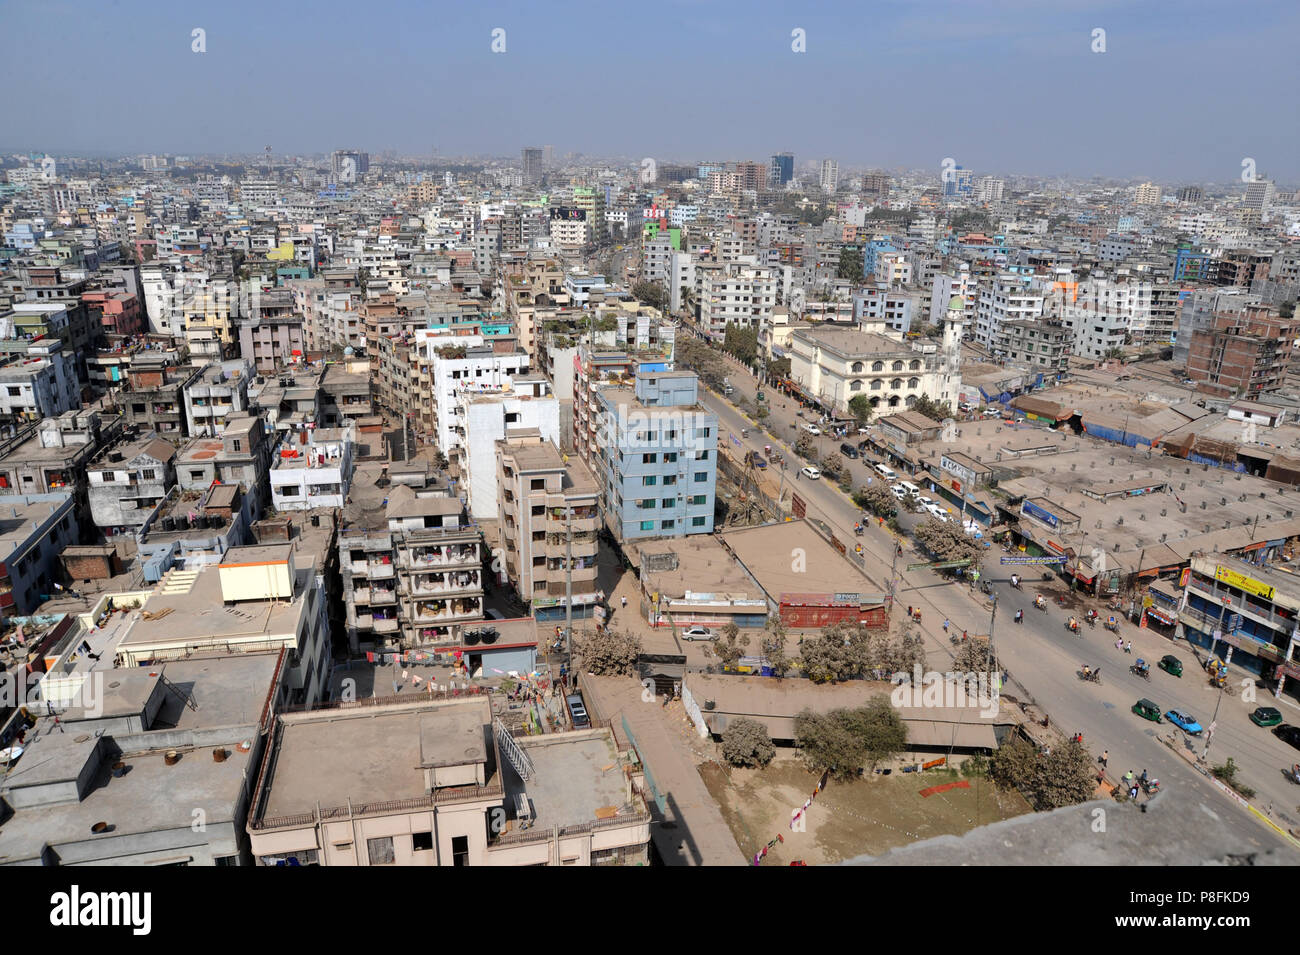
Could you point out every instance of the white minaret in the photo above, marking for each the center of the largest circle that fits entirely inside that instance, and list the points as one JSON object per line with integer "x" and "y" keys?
{"x": 953, "y": 323}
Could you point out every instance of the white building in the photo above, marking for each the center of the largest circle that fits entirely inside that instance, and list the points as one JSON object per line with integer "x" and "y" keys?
{"x": 313, "y": 469}
{"x": 733, "y": 293}
{"x": 1008, "y": 298}
{"x": 830, "y": 175}
{"x": 41, "y": 385}
{"x": 466, "y": 364}
{"x": 529, "y": 405}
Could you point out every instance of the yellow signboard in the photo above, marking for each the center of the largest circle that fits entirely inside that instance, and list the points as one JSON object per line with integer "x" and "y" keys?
{"x": 1242, "y": 582}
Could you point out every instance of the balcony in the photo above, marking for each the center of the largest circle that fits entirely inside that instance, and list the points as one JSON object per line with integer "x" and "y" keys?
{"x": 454, "y": 610}
{"x": 374, "y": 569}
{"x": 435, "y": 584}
{"x": 450, "y": 555}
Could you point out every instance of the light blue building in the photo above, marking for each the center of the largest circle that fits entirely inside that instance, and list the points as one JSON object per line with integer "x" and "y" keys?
{"x": 658, "y": 462}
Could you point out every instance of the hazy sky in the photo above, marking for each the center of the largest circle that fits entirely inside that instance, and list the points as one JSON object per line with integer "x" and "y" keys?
{"x": 1183, "y": 92}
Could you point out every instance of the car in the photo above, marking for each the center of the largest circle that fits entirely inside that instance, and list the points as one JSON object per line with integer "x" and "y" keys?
{"x": 698, "y": 633}
{"x": 849, "y": 451}
{"x": 1266, "y": 716}
{"x": 898, "y": 492}
{"x": 756, "y": 459}
{"x": 578, "y": 711}
{"x": 864, "y": 431}
{"x": 992, "y": 412}
{"x": 811, "y": 473}
{"x": 1184, "y": 722}
{"x": 1171, "y": 665}
{"x": 812, "y": 429}
{"x": 924, "y": 501}
{"x": 1147, "y": 710}
{"x": 1288, "y": 734}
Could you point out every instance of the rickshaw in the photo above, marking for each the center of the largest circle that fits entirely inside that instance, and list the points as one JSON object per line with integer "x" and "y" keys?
{"x": 1171, "y": 665}
{"x": 1112, "y": 624}
{"x": 1147, "y": 710}
{"x": 1142, "y": 669}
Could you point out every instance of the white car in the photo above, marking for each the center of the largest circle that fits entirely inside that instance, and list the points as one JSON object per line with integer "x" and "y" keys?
{"x": 811, "y": 473}
{"x": 812, "y": 429}
{"x": 864, "y": 431}
{"x": 938, "y": 513}
{"x": 698, "y": 633}
{"x": 898, "y": 492}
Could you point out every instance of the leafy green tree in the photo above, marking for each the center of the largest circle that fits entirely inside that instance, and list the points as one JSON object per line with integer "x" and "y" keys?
{"x": 876, "y": 498}
{"x": 778, "y": 368}
{"x": 650, "y": 293}
{"x": 773, "y": 646}
{"x": 730, "y": 646}
{"x": 850, "y": 266}
{"x": 612, "y": 653}
{"x": 945, "y": 540}
{"x": 742, "y": 342}
{"x": 833, "y": 464}
{"x": 937, "y": 410}
{"x": 746, "y": 743}
{"x": 845, "y": 740}
{"x": 860, "y": 408}
{"x": 1062, "y": 777}
{"x": 839, "y": 652}
{"x": 804, "y": 447}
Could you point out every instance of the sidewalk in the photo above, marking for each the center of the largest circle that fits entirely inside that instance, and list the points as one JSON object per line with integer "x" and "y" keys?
{"x": 692, "y": 831}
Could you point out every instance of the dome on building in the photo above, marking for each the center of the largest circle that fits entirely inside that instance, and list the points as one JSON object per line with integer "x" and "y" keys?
{"x": 956, "y": 304}
{"x": 349, "y": 350}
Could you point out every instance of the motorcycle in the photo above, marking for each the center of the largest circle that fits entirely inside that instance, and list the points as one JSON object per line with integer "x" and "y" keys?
{"x": 1143, "y": 671}
{"x": 1150, "y": 786}
{"x": 1293, "y": 774}
{"x": 1072, "y": 627}
{"x": 1015, "y": 582}
{"x": 1041, "y": 604}
{"x": 1090, "y": 676}
{"x": 1092, "y": 621}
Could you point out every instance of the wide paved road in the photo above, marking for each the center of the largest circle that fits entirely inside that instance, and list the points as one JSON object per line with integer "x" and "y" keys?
{"x": 1044, "y": 658}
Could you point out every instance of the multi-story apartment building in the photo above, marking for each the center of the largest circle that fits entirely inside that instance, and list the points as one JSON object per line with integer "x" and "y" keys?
{"x": 315, "y": 471}
{"x": 128, "y": 481}
{"x": 116, "y": 311}
{"x": 414, "y": 782}
{"x": 482, "y": 419}
{"x": 657, "y": 459}
{"x": 946, "y": 285}
{"x": 36, "y": 529}
{"x": 549, "y": 515}
{"x": 413, "y": 577}
{"x": 217, "y": 393}
{"x": 830, "y": 175}
{"x": 880, "y": 308}
{"x": 469, "y": 364}
{"x": 1148, "y": 194}
{"x": 1009, "y": 297}
{"x": 1244, "y": 354}
{"x": 272, "y": 342}
{"x": 1245, "y": 614}
{"x": 41, "y": 385}
{"x": 730, "y": 293}
{"x": 1044, "y": 345}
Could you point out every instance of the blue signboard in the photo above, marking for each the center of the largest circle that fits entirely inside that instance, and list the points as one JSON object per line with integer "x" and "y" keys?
{"x": 1033, "y": 510}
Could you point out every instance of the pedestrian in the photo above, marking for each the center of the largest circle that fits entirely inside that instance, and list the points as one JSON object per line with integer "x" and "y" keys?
{"x": 909, "y": 611}
{"x": 1128, "y": 647}
{"x": 624, "y": 599}
{"x": 945, "y": 626}
{"x": 1119, "y": 644}
{"x": 964, "y": 637}
{"x": 1105, "y": 758}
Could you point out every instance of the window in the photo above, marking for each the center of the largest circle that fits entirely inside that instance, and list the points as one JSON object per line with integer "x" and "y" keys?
{"x": 196, "y": 475}
{"x": 236, "y": 444}
{"x": 895, "y": 384}
{"x": 538, "y": 510}
{"x": 649, "y": 458}
{"x": 699, "y": 499}
{"x": 14, "y": 392}
{"x": 913, "y": 382}
{"x": 698, "y": 521}
{"x": 855, "y": 386}
{"x": 703, "y": 432}
{"x": 701, "y": 455}
{"x": 857, "y": 367}
{"x": 646, "y": 503}
{"x": 670, "y": 479}
{"x": 670, "y": 457}
{"x": 537, "y": 484}
{"x": 381, "y": 850}
{"x": 877, "y": 366}
{"x": 876, "y": 384}
{"x": 460, "y": 850}
{"x": 667, "y": 502}
{"x": 109, "y": 476}
{"x": 914, "y": 365}
{"x": 701, "y": 476}
{"x": 149, "y": 474}
{"x": 650, "y": 480}
{"x": 647, "y": 525}
{"x": 668, "y": 525}
{"x": 421, "y": 841}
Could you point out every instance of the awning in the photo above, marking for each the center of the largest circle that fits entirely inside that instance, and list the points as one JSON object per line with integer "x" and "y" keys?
{"x": 933, "y": 734}
{"x": 1166, "y": 618}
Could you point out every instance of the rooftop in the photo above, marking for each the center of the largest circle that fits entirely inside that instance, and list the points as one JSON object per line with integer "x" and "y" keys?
{"x": 765, "y": 552}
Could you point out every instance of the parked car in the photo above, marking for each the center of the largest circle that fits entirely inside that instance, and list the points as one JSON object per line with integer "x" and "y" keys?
{"x": 1147, "y": 710}
{"x": 577, "y": 711}
{"x": 812, "y": 429}
{"x": 849, "y": 451}
{"x": 1288, "y": 734}
{"x": 1171, "y": 665}
{"x": 1266, "y": 716}
{"x": 698, "y": 633}
{"x": 811, "y": 473}
{"x": 898, "y": 492}
{"x": 756, "y": 459}
{"x": 1184, "y": 722}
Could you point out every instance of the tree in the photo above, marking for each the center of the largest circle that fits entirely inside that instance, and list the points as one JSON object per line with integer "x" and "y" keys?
{"x": 876, "y": 498}
{"x": 945, "y": 540}
{"x": 650, "y": 293}
{"x": 778, "y": 368}
{"x": 845, "y": 740}
{"x": 938, "y": 410}
{"x": 1060, "y": 776}
{"x": 612, "y": 653}
{"x": 1287, "y": 309}
{"x": 839, "y": 652}
{"x": 850, "y": 266}
{"x": 804, "y": 447}
{"x": 972, "y": 656}
{"x": 1114, "y": 353}
{"x": 746, "y": 743}
{"x": 833, "y": 464}
{"x": 773, "y": 646}
{"x": 730, "y": 646}
{"x": 742, "y": 342}
{"x": 860, "y": 408}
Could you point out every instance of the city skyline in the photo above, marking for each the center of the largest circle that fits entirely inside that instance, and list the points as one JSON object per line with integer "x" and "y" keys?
{"x": 1040, "y": 70}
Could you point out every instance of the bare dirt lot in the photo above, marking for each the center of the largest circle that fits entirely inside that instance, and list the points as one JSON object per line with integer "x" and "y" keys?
{"x": 862, "y": 817}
